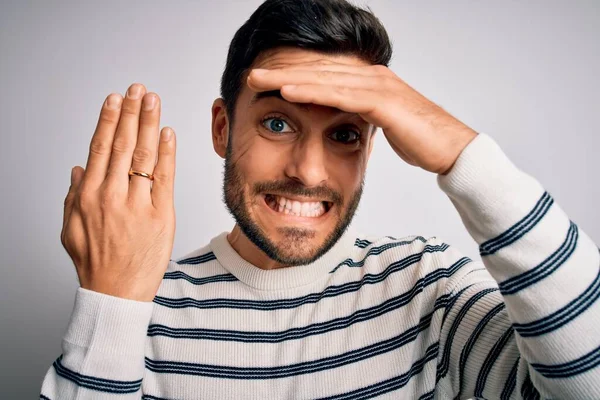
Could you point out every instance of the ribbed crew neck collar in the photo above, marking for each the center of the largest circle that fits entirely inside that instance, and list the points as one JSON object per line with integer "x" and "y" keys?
{"x": 282, "y": 278}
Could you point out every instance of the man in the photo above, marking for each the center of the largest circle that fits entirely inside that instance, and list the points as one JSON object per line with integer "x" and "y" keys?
{"x": 292, "y": 304}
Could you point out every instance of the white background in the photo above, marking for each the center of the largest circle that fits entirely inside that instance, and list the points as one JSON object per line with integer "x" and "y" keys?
{"x": 523, "y": 72}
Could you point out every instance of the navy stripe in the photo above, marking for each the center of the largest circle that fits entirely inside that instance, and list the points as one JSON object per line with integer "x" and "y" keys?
{"x": 528, "y": 391}
{"x": 454, "y": 300}
{"x": 511, "y": 381}
{"x": 375, "y": 251}
{"x": 564, "y": 315}
{"x": 428, "y": 396}
{"x": 201, "y": 259}
{"x": 545, "y": 268}
{"x": 313, "y": 329}
{"x": 200, "y": 281}
{"x": 468, "y": 347}
{"x": 94, "y": 383}
{"x": 578, "y": 366}
{"x": 330, "y": 291}
{"x": 42, "y": 397}
{"x": 519, "y": 229}
{"x": 231, "y": 278}
{"x": 284, "y": 371}
{"x": 362, "y": 243}
{"x": 391, "y": 384}
{"x": 149, "y": 397}
{"x": 491, "y": 358}
{"x": 444, "y": 365}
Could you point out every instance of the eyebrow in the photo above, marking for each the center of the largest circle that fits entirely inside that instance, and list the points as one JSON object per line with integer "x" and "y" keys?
{"x": 276, "y": 94}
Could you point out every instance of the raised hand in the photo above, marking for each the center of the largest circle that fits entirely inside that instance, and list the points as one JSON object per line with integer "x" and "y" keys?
{"x": 117, "y": 229}
{"x": 420, "y": 132}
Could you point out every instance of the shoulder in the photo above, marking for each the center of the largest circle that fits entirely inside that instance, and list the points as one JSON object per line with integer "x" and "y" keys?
{"x": 418, "y": 252}
{"x": 367, "y": 245}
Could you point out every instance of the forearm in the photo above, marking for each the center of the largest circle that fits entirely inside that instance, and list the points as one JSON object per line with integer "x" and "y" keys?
{"x": 546, "y": 267}
{"x": 103, "y": 349}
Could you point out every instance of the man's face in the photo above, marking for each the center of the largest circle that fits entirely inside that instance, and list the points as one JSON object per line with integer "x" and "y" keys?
{"x": 294, "y": 172}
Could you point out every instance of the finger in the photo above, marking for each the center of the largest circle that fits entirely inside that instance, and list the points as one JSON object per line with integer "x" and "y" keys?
{"x": 125, "y": 138}
{"x": 76, "y": 177}
{"x": 164, "y": 172}
{"x": 102, "y": 140}
{"x": 359, "y": 101}
{"x": 363, "y": 70}
{"x": 265, "y": 80}
{"x": 144, "y": 154}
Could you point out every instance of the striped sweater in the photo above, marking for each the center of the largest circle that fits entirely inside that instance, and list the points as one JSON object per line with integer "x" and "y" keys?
{"x": 375, "y": 317}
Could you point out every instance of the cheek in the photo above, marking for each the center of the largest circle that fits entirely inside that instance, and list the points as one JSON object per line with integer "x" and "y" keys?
{"x": 262, "y": 161}
{"x": 347, "y": 170}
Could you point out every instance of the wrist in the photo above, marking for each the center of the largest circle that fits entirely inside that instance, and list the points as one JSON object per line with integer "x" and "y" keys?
{"x": 459, "y": 143}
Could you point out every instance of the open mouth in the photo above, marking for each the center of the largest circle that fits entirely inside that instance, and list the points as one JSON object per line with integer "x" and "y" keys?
{"x": 307, "y": 209}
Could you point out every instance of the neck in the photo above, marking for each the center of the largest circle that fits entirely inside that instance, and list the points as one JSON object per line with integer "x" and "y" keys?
{"x": 249, "y": 251}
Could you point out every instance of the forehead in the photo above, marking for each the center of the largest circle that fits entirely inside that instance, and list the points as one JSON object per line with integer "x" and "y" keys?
{"x": 289, "y": 56}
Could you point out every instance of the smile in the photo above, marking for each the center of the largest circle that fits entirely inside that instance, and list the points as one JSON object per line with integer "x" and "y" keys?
{"x": 308, "y": 209}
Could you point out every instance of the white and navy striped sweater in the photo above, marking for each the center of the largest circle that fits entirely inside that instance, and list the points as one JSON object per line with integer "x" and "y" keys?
{"x": 408, "y": 318}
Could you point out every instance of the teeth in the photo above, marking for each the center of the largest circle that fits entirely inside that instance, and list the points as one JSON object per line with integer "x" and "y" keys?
{"x": 306, "y": 209}
{"x": 296, "y": 208}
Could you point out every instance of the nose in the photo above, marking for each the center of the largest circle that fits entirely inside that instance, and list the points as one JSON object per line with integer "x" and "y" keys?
{"x": 307, "y": 164}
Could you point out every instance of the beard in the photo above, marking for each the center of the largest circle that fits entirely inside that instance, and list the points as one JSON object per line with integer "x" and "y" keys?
{"x": 295, "y": 248}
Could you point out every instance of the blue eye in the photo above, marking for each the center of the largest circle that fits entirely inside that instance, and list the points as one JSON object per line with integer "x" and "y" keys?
{"x": 276, "y": 125}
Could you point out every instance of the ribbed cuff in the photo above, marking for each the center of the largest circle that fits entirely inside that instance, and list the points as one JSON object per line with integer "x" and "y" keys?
{"x": 111, "y": 325}
{"x": 487, "y": 189}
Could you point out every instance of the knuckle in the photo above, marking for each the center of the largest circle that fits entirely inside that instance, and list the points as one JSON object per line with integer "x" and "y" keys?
{"x": 109, "y": 198}
{"x": 161, "y": 176}
{"x": 121, "y": 145}
{"x": 84, "y": 201}
{"x": 342, "y": 90}
{"x": 321, "y": 62}
{"x": 99, "y": 147}
{"x": 149, "y": 119}
{"x": 166, "y": 150}
{"x": 129, "y": 110}
{"x": 109, "y": 116}
{"x": 324, "y": 76}
{"x": 141, "y": 155}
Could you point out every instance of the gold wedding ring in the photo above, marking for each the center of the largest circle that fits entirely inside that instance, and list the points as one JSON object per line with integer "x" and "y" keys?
{"x": 139, "y": 173}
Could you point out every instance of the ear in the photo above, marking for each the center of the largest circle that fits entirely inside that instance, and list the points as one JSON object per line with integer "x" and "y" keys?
{"x": 220, "y": 127}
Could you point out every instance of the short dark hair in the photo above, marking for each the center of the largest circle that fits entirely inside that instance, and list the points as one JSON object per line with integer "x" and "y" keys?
{"x": 327, "y": 26}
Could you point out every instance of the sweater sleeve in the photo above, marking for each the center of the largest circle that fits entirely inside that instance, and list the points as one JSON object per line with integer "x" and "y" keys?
{"x": 102, "y": 350}
{"x": 528, "y": 324}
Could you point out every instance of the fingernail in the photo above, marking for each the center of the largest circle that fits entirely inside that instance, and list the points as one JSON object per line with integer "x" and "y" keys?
{"x": 113, "y": 102}
{"x": 167, "y": 135}
{"x": 149, "y": 102}
{"x": 134, "y": 92}
{"x": 72, "y": 174}
{"x": 259, "y": 71}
